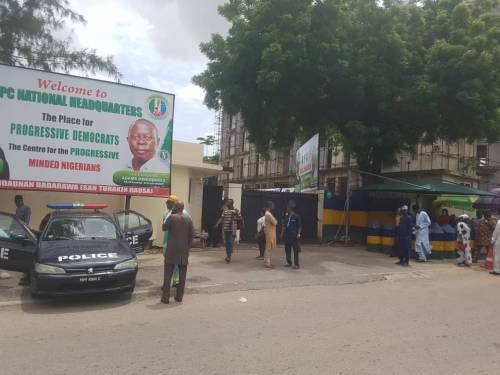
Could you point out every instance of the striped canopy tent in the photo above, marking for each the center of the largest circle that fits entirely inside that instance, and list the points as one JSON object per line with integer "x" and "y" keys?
{"x": 461, "y": 202}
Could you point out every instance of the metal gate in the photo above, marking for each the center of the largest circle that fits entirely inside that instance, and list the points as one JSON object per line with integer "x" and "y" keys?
{"x": 252, "y": 202}
{"x": 211, "y": 211}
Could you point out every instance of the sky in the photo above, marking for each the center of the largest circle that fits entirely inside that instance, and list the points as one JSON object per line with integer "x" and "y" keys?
{"x": 155, "y": 44}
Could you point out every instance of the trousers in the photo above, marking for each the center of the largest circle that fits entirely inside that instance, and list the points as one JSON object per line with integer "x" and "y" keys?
{"x": 167, "y": 278}
{"x": 465, "y": 256}
{"x": 229, "y": 240}
{"x": 288, "y": 252}
{"x": 261, "y": 241}
{"x": 404, "y": 246}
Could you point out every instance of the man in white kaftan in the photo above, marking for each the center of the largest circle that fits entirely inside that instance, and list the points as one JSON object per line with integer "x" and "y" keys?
{"x": 495, "y": 240}
{"x": 422, "y": 244}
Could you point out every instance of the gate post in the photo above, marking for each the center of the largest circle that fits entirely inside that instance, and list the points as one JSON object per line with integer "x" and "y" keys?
{"x": 321, "y": 202}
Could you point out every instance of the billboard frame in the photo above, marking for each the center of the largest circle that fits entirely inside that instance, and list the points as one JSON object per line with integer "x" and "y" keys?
{"x": 118, "y": 84}
{"x": 299, "y": 186}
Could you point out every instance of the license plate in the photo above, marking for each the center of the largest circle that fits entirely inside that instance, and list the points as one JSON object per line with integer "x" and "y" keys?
{"x": 90, "y": 279}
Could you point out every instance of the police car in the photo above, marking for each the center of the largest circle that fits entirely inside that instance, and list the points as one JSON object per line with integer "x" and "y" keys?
{"x": 78, "y": 249}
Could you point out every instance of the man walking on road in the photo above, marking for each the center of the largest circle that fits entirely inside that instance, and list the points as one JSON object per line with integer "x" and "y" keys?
{"x": 422, "y": 244}
{"x": 270, "y": 230}
{"x": 403, "y": 239}
{"x": 229, "y": 219}
{"x": 290, "y": 233}
{"x": 180, "y": 236}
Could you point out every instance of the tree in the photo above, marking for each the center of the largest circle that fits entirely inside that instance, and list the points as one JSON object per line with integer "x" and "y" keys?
{"x": 209, "y": 140}
{"x": 27, "y": 38}
{"x": 385, "y": 77}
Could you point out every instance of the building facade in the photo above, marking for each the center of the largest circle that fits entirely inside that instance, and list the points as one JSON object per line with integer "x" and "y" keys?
{"x": 475, "y": 164}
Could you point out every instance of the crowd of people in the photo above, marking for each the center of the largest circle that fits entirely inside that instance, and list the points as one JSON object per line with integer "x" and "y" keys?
{"x": 231, "y": 221}
{"x": 484, "y": 228}
{"x": 178, "y": 233}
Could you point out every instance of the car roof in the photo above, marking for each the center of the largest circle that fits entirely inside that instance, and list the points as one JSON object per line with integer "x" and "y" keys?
{"x": 79, "y": 213}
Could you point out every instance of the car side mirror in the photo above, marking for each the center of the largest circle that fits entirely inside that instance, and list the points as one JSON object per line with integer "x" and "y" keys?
{"x": 19, "y": 236}
{"x": 24, "y": 239}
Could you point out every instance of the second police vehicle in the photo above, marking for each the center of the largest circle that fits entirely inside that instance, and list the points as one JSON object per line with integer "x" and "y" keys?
{"x": 77, "y": 250}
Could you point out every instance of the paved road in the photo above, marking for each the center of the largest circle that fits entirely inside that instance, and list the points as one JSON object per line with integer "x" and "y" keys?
{"x": 367, "y": 318}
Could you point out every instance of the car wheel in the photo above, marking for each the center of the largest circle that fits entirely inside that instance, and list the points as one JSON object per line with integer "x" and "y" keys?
{"x": 130, "y": 291}
{"x": 33, "y": 288}
{"x": 127, "y": 294}
{"x": 35, "y": 295}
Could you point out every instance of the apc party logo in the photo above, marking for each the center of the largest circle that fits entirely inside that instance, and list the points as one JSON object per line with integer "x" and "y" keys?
{"x": 157, "y": 106}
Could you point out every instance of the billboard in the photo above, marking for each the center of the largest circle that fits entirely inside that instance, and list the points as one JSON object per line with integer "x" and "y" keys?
{"x": 307, "y": 165}
{"x": 66, "y": 133}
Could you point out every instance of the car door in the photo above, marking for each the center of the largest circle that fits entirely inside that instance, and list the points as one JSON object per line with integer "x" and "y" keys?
{"x": 17, "y": 244}
{"x": 136, "y": 227}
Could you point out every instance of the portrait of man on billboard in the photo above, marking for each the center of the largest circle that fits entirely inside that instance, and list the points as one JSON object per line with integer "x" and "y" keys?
{"x": 4, "y": 166}
{"x": 144, "y": 142}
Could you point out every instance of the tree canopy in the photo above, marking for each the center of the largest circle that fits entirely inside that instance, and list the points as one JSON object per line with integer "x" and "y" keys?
{"x": 383, "y": 76}
{"x": 28, "y": 30}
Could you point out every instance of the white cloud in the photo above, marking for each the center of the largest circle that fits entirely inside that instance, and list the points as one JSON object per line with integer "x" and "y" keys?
{"x": 156, "y": 45}
{"x": 191, "y": 93}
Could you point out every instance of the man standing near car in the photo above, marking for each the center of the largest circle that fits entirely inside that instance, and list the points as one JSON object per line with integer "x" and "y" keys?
{"x": 23, "y": 212}
{"x": 180, "y": 236}
{"x": 171, "y": 200}
{"x": 290, "y": 233}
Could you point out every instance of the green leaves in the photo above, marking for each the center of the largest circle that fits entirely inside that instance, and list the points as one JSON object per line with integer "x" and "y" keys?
{"x": 27, "y": 31}
{"x": 384, "y": 77}
{"x": 209, "y": 140}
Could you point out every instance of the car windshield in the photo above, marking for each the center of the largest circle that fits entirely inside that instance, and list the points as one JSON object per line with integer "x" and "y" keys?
{"x": 80, "y": 228}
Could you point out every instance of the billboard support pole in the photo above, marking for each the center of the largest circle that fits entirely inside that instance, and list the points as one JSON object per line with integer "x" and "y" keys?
{"x": 128, "y": 198}
{"x": 347, "y": 211}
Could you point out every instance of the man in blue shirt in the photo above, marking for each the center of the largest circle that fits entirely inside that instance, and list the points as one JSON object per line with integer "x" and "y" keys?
{"x": 23, "y": 212}
{"x": 292, "y": 226}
